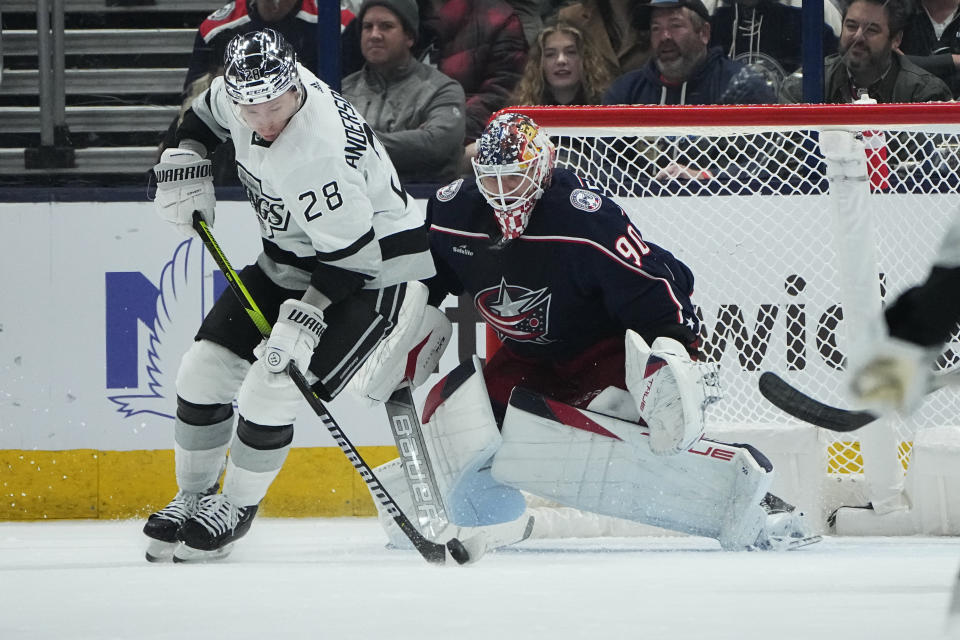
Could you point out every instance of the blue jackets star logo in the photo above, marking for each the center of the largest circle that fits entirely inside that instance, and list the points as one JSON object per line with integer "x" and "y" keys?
{"x": 515, "y": 313}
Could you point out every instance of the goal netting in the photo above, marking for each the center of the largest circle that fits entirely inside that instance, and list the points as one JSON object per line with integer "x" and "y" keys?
{"x": 741, "y": 195}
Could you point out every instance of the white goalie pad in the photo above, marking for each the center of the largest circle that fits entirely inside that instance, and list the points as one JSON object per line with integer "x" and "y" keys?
{"x": 592, "y": 462}
{"x": 477, "y": 540}
{"x": 411, "y": 351}
{"x": 460, "y": 434}
{"x": 671, "y": 391}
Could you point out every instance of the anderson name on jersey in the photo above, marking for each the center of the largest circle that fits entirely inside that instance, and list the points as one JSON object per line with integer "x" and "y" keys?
{"x": 580, "y": 272}
{"x": 331, "y": 209}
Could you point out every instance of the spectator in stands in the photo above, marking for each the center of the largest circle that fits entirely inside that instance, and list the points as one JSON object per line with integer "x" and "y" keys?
{"x": 435, "y": 31}
{"x": 767, "y": 34}
{"x": 613, "y": 28}
{"x": 416, "y": 111}
{"x": 478, "y": 43}
{"x": 683, "y": 70}
{"x": 867, "y": 63}
{"x": 563, "y": 69}
{"x": 931, "y": 40}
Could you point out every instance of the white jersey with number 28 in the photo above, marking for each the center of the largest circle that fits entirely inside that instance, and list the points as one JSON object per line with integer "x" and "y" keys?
{"x": 325, "y": 191}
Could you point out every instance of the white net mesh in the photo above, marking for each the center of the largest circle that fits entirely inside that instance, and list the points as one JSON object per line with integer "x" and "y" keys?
{"x": 747, "y": 207}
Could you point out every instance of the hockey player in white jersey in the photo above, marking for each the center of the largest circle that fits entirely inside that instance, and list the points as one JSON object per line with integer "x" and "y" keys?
{"x": 341, "y": 240}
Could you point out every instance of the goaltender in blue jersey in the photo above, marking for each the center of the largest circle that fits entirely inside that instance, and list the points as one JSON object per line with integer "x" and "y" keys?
{"x": 597, "y": 397}
{"x": 579, "y": 274}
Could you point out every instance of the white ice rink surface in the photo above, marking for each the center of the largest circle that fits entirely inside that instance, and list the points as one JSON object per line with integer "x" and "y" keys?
{"x": 333, "y": 578}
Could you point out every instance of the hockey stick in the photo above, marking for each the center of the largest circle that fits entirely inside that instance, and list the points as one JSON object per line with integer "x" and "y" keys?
{"x": 431, "y": 551}
{"x": 789, "y": 399}
{"x": 408, "y": 435}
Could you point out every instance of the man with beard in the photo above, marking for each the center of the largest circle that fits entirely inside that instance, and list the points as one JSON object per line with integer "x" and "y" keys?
{"x": 683, "y": 70}
{"x": 867, "y": 63}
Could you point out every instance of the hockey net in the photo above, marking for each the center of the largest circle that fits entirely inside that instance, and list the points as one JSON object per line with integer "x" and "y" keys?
{"x": 740, "y": 194}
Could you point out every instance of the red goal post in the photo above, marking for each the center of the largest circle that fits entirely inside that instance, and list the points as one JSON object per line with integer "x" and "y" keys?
{"x": 742, "y": 195}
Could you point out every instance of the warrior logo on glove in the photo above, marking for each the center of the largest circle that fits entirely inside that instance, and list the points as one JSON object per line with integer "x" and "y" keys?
{"x": 183, "y": 173}
{"x": 307, "y": 321}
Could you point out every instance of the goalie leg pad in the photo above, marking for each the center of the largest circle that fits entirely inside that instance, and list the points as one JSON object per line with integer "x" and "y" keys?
{"x": 671, "y": 391}
{"x": 410, "y": 351}
{"x": 460, "y": 434}
{"x": 586, "y": 460}
{"x": 477, "y": 540}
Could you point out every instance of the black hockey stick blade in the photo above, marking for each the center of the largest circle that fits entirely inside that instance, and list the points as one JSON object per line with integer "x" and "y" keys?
{"x": 787, "y": 398}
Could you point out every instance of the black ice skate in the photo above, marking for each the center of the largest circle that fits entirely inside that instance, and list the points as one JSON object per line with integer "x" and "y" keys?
{"x": 210, "y": 533}
{"x": 162, "y": 526}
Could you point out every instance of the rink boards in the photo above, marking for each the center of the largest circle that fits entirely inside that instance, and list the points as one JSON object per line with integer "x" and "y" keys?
{"x": 87, "y": 371}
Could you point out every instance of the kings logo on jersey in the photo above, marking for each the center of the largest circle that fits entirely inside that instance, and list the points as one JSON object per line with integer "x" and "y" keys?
{"x": 271, "y": 213}
{"x": 515, "y": 313}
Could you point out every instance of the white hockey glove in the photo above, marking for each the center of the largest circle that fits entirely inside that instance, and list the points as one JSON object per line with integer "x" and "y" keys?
{"x": 184, "y": 185}
{"x": 671, "y": 391}
{"x": 894, "y": 375}
{"x": 294, "y": 337}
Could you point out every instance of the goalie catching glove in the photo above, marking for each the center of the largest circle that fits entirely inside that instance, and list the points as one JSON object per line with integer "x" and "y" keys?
{"x": 184, "y": 185}
{"x": 294, "y": 337}
{"x": 671, "y": 391}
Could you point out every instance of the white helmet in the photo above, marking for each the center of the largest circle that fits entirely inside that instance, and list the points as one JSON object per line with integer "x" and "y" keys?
{"x": 258, "y": 67}
{"x": 513, "y": 145}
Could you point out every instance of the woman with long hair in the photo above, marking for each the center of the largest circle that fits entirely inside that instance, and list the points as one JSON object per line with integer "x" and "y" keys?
{"x": 562, "y": 68}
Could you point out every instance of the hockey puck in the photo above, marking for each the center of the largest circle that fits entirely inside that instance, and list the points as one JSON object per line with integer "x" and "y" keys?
{"x": 458, "y": 552}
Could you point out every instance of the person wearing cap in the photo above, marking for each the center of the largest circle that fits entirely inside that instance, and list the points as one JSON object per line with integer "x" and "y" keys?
{"x": 418, "y": 113}
{"x": 683, "y": 70}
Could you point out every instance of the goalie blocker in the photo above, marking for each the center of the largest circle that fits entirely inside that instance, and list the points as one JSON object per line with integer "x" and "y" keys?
{"x": 589, "y": 461}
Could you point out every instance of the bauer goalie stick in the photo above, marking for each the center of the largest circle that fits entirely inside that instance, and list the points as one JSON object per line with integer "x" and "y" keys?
{"x": 791, "y": 400}
{"x": 431, "y": 551}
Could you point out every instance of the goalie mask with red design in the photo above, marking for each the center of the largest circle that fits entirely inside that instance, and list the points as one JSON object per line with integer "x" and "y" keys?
{"x": 513, "y": 165}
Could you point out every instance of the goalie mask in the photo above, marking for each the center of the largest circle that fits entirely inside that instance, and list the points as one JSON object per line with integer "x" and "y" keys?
{"x": 258, "y": 67}
{"x": 513, "y": 166}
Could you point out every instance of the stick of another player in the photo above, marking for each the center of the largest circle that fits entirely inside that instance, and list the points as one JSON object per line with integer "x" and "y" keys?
{"x": 791, "y": 400}
{"x": 431, "y": 551}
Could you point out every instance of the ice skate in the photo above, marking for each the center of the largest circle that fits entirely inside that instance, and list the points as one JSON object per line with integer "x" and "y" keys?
{"x": 786, "y": 527}
{"x": 162, "y": 526}
{"x": 210, "y": 533}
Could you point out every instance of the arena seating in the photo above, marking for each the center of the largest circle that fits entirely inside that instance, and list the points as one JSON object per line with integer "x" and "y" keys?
{"x": 125, "y": 61}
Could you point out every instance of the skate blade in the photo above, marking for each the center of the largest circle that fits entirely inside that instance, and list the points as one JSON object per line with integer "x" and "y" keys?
{"x": 160, "y": 551}
{"x": 804, "y": 542}
{"x": 183, "y": 553}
